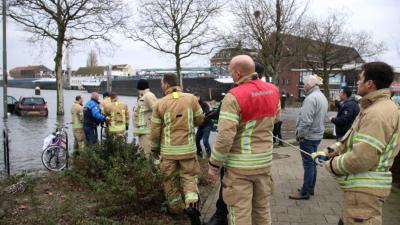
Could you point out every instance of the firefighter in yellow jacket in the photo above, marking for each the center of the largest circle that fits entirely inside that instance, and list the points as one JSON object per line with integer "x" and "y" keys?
{"x": 362, "y": 159}
{"x": 244, "y": 144}
{"x": 77, "y": 123}
{"x": 142, "y": 117}
{"x": 105, "y": 102}
{"x": 119, "y": 117}
{"x": 173, "y": 138}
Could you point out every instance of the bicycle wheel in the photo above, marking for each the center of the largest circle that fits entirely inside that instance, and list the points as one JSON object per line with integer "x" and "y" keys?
{"x": 54, "y": 158}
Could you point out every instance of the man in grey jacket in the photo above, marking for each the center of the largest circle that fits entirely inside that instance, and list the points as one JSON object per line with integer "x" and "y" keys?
{"x": 309, "y": 132}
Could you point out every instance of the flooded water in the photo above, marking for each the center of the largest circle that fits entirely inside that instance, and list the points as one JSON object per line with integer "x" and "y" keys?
{"x": 26, "y": 134}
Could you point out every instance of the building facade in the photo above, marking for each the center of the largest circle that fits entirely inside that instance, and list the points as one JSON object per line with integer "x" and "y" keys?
{"x": 35, "y": 71}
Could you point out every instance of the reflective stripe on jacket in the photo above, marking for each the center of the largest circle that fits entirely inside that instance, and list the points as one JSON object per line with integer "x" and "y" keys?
{"x": 173, "y": 125}
{"x": 368, "y": 149}
{"x": 142, "y": 112}
{"x": 77, "y": 115}
{"x": 245, "y": 144}
{"x": 119, "y": 115}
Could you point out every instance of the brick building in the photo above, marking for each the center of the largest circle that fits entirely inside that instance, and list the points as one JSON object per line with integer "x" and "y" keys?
{"x": 297, "y": 60}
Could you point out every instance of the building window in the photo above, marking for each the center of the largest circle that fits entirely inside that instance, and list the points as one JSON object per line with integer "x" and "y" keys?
{"x": 287, "y": 81}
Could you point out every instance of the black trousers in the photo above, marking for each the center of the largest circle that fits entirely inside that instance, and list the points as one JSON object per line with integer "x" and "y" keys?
{"x": 222, "y": 209}
{"x": 277, "y": 130}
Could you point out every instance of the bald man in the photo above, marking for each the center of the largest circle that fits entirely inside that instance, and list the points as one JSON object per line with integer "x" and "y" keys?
{"x": 244, "y": 144}
{"x": 92, "y": 117}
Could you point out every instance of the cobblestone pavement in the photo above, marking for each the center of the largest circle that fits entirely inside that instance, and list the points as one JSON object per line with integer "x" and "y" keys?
{"x": 322, "y": 209}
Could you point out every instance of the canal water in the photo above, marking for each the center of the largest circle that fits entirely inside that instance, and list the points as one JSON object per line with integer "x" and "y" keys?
{"x": 26, "y": 134}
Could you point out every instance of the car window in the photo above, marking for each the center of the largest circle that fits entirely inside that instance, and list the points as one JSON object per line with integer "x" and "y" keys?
{"x": 11, "y": 100}
{"x": 33, "y": 101}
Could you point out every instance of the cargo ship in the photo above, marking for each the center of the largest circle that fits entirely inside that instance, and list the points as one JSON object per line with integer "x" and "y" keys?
{"x": 208, "y": 87}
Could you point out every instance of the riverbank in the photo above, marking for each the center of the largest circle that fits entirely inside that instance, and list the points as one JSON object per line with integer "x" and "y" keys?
{"x": 105, "y": 185}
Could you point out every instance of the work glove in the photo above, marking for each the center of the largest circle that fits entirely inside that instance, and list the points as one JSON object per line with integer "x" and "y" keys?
{"x": 319, "y": 157}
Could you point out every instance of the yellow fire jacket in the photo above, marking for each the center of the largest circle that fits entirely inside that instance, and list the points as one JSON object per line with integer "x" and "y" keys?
{"x": 119, "y": 114}
{"x": 245, "y": 147}
{"x": 173, "y": 125}
{"x": 77, "y": 115}
{"x": 361, "y": 161}
{"x": 142, "y": 112}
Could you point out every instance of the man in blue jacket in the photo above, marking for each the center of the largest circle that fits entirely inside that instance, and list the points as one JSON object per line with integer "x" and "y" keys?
{"x": 92, "y": 117}
{"x": 346, "y": 114}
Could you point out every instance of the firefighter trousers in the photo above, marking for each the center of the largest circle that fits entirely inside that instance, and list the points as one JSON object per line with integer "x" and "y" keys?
{"x": 247, "y": 198}
{"x": 79, "y": 138}
{"x": 180, "y": 176}
{"x": 145, "y": 145}
{"x": 362, "y": 209}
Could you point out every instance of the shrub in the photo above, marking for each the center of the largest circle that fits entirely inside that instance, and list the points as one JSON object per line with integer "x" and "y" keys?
{"x": 121, "y": 178}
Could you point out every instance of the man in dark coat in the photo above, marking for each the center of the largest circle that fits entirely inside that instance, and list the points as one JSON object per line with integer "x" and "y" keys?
{"x": 203, "y": 132}
{"x": 347, "y": 113}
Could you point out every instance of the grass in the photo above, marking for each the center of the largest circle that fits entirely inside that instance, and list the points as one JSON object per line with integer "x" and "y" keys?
{"x": 108, "y": 184}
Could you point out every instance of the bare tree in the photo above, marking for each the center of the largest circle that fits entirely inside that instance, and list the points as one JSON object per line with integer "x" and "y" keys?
{"x": 67, "y": 20}
{"x": 91, "y": 59}
{"x": 328, "y": 46}
{"x": 266, "y": 23}
{"x": 181, "y": 28}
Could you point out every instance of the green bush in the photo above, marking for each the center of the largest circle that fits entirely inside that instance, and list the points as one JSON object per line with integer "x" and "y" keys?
{"x": 124, "y": 181}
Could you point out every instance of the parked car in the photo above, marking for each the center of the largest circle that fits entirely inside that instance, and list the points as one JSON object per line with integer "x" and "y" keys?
{"x": 32, "y": 106}
{"x": 11, "y": 104}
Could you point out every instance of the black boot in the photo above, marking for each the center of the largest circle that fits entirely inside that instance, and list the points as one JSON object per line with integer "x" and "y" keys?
{"x": 217, "y": 220}
{"x": 194, "y": 215}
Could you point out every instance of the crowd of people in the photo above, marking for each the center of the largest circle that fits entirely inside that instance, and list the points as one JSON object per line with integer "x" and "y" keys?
{"x": 241, "y": 157}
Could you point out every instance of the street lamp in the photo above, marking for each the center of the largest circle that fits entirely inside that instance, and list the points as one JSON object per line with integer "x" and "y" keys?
{"x": 5, "y": 81}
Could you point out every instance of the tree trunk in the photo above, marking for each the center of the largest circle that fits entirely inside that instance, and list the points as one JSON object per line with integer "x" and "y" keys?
{"x": 326, "y": 85}
{"x": 178, "y": 69}
{"x": 59, "y": 80}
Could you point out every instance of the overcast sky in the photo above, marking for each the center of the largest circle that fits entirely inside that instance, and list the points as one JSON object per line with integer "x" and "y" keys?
{"x": 380, "y": 17}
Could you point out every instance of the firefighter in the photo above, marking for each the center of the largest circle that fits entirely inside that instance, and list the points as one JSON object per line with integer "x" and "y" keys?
{"x": 77, "y": 123}
{"x": 118, "y": 113}
{"x": 362, "y": 159}
{"x": 173, "y": 137}
{"x": 142, "y": 117}
{"x": 105, "y": 102}
{"x": 244, "y": 144}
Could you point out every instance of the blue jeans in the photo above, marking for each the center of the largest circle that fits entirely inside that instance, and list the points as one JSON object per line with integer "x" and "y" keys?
{"x": 310, "y": 168}
{"x": 203, "y": 133}
{"x": 91, "y": 135}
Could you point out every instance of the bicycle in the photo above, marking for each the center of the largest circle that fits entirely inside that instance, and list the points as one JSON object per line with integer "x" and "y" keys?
{"x": 55, "y": 150}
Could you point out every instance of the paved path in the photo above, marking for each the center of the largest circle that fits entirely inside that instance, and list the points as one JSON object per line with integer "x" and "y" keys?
{"x": 322, "y": 209}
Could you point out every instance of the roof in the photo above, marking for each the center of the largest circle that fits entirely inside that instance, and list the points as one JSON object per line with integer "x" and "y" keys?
{"x": 228, "y": 53}
{"x": 119, "y": 66}
{"x": 309, "y": 50}
{"x": 88, "y": 71}
{"x": 32, "y": 67}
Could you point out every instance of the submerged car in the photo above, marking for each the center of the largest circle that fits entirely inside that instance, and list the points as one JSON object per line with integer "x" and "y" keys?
{"x": 32, "y": 106}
